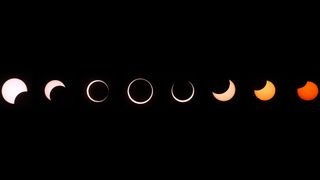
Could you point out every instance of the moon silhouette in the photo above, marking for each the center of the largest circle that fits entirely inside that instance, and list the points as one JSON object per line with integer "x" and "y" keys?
{"x": 135, "y": 101}
{"x": 227, "y": 95}
{"x": 50, "y": 86}
{"x": 183, "y": 100}
{"x": 266, "y": 93}
{"x": 88, "y": 91}
{"x": 12, "y": 88}
{"x": 308, "y": 92}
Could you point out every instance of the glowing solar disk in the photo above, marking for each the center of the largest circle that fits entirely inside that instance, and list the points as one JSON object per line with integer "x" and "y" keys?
{"x": 130, "y": 96}
{"x": 308, "y": 92}
{"x": 227, "y": 95}
{"x": 88, "y": 91}
{"x": 183, "y": 100}
{"x": 12, "y": 88}
{"x": 267, "y": 92}
{"x": 50, "y": 86}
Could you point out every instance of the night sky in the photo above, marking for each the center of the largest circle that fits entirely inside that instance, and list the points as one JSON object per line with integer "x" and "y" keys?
{"x": 207, "y": 51}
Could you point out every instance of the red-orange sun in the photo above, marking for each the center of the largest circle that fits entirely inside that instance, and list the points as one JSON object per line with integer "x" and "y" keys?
{"x": 308, "y": 92}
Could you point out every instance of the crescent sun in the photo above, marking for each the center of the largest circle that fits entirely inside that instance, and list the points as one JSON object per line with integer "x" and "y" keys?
{"x": 227, "y": 95}
{"x": 50, "y": 86}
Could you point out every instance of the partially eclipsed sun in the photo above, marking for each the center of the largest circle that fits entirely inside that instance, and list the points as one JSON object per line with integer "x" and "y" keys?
{"x": 308, "y": 92}
{"x": 266, "y": 93}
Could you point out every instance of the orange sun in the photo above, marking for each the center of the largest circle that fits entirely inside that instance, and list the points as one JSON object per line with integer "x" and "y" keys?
{"x": 266, "y": 93}
{"x": 308, "y": 92}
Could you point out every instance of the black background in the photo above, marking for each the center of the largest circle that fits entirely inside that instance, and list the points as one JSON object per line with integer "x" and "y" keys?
{"x": 205, "y": 48}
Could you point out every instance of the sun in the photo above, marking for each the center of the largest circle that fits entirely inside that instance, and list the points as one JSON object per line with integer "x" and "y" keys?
{"x": 308, "y": 92}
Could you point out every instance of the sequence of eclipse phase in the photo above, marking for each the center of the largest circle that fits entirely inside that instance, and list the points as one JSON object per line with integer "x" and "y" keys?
{"x": 14, "y": 87}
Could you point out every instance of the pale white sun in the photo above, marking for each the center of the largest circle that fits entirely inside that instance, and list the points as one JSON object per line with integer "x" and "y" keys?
{"x": 12, "y": 88}
{"x": 50, "y": 86}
